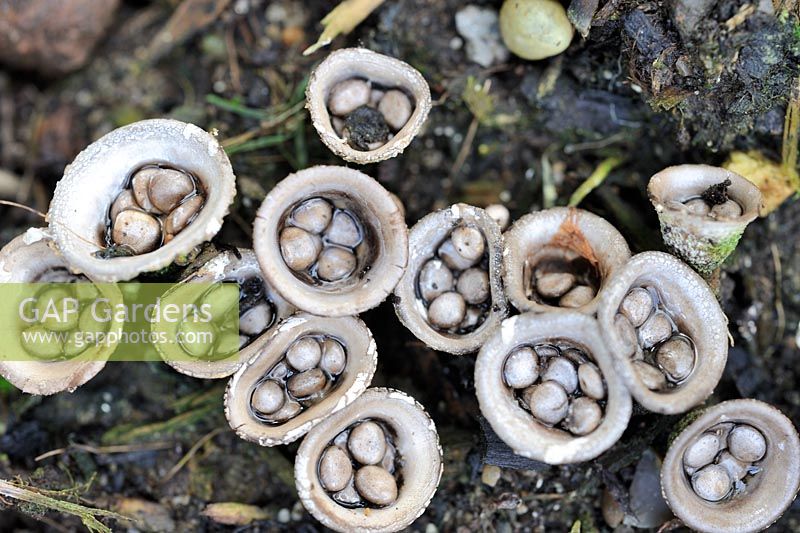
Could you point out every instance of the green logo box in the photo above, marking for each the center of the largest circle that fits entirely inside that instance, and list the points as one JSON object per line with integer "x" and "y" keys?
{"x": 119, "y": 321}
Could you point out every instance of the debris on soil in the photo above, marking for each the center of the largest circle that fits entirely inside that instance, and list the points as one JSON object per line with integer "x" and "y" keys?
{"x": 717, "y": 194}
{"x": 52, "y": 37}
{"x": 365, "y": 127}
{"x": 480, "y": 28}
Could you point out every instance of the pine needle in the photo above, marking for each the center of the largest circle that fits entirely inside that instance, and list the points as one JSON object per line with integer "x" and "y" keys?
{"x": 342, "y": 20}
{"x": 595, "y": 180}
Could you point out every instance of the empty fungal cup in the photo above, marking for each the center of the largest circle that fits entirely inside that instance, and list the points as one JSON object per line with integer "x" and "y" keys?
{"x": 703, "y": 211}
{"x": 560, "y": 258}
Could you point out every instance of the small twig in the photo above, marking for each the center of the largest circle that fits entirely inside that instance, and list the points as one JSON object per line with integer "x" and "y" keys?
{"x": 595, "y": 180}
{"x": 233, "y": 62}
{"x": 103, "y": 450}
{"x": 342, "y": 20}
{"x": 791, "y": 135}
{"x": 192, "y": 451}
{"x": 466, "y": 147}
{"x": 776, "y": 260}
{"x": 21, "y": 206}
{"x": 549, "y": 193}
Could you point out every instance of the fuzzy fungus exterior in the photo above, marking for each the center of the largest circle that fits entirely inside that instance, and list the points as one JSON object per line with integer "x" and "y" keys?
{"x": 357, "y": 260}
{"x": 260, "y": 319}
{"x": 703, "y": 235}
{"x": 82, "y": 200}
{"x": 560, "y": 258}
{"x": 416, "y": 465}
{"x": 366, "y": 66}
{"x": 309, "y": 397}
{"x": 29, "y": 258}
{"x": 690, "y": 306}
{"x": 755, "y": 498}
{"x": 533, "y": 434}
{"x": 451, "y": 296}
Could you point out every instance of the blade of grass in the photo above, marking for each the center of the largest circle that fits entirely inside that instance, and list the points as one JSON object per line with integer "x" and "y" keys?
{"x": 235, "y": 107}
{"x": 595, "y": 180}
{"x": 257, "y": 144}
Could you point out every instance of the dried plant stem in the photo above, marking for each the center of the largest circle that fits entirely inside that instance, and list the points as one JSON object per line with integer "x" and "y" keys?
{"x": 595, "y": 180}
{"x": 791, "y": 135}
{"x": 342, "y": 20}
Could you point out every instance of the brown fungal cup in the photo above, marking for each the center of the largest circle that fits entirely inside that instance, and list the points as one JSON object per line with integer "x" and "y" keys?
{"x": 703, "y": 211}
{"x": 331, "y": 240}
{"x": 373, "y": 466}
{"x": 29, "y": 259}
{"x": 666, "y": 331}
{"x": 309, "y": 368}
{"x": 547, "y": 385}
{"x": 260, "y": 309}
{"x": 560, "y": 258}
{"x": 736, "y": 468}
{"x": 139, "y": 198}
{"x": 451, "y": 296}
{"x": 366, "y": 107}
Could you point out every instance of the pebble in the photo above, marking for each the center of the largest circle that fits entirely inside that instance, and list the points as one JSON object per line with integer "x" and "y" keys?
{"x": 167, "y": 188}
{"x": 657, "y": 329}
{"x": 637, "y": 306}
{"x": 334, "y": 358}
{"x": 547, "y": 401}
{"x": 335, "y": 263}
{"x": 299, "y": 248}
{"x": 468, "y": 242}
{"x": 347, "y": 96}
{"x": 521, "y": 368}
{"x": 304, "y": 353}
{"x": 591, "y": 381}
{"x": 577, "y": 297}
{"x": 479, "y": 27}
{"x": 702, "y": 451}
{"x": 747, "y": 444}
{"x": 125, "y": 200}
{"x": 256, "y": 319}
{"x": 447, "y": 310}
{"x": 376, "y": 485}
{"x": 448, "y": 253}
{"x": 712, "y": 483}
{"x": 137, "y": 230}
{"x": 676, "y": 358}
{"x": 697, "y": 206}
{"x": 434, "y": 279}
{"x": 335, "y": 469}
{"x": 182, "y": 215}
{"x": 730, "y": 209}
{"x": 651, "y": 377}
{"x": 499, "y": 213}
{"x": 562, "y": 371}
{"x": 473, "y": 284}
{"x": 344, "y": 230}
{"x": 268, "y": 397}
{"x": 396, "y": 108}
{"x": 367, "y": 443}
{"x": 554, "y": 284}
{"x": 313, "y": 215}
{"x": 306, "y": 383}
{"x": 584, "y": 416}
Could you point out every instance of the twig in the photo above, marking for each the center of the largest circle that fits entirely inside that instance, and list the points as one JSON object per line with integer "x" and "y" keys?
{"x": 233, "y": 62}
{"x": 791, "y": 135}
{"x": 776, "y": 260}
{"x": 88, "y": 515}
{"x": 192, "y": 451}
{"x": 466, "y": 147}
{"x": 595, "y": 180}
{"x": 549, "y": 193}
{"x": 21, "y": 206}
{"x": 342, "y": 20}
{"x": 103, "y": 450}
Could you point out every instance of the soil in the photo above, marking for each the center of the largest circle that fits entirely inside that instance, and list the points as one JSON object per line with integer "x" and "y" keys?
{"x": 655, "y": 84}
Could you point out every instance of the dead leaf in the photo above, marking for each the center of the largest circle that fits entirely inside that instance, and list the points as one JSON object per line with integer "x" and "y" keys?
{"x": 342, "y": 20}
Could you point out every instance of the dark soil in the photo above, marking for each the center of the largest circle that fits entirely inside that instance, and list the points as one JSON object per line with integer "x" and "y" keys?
{"x": 656, "y": 83}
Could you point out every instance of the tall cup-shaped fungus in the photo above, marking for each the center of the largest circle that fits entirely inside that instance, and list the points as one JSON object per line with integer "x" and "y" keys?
{"x": 703, "y": 211}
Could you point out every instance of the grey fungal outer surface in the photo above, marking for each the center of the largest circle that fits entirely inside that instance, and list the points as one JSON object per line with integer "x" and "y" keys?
{"x": 701, "y": 241}
{"x": 269, "y": 350}
{"x": 515, "y": 425}
{"x": 226, "y": 267}
{"x": 418, "y": 449}
{"x": 349, "y": 63}
{"x": 78, "y": 211}
{"x": 28, "y": 258}
{"x": 694, "y": 310}
{"x": 424, "y": 239}
{"x": 385, "y": 240}
{"x": 550, "y": 237}
{"x": 768, "y": 493}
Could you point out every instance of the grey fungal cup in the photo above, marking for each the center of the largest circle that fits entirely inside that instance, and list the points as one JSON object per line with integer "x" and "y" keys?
{"x": 560, "y": 258}
{"x": 703, "y": 211}
{"x": 366, "y": 107}
{"x": 451, "y": 296}
{"x": 139, "y": 198}
{"x": 373, "y": 466}
{"x": 735, "y": 468}
{"x": 666, "y": 331}
{"x": 259, "y": 306}
{"x": 547, "y": 385}
{"x": 57, "y": 365}
{"x": 331, "y": 240}
{"x": 309, "y": 368}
